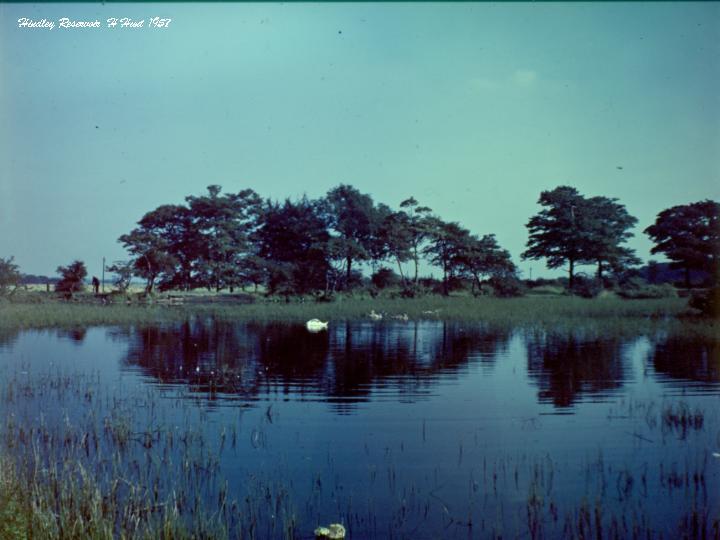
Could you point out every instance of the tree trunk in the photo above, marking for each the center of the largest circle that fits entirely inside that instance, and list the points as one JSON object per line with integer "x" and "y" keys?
{"x": 415, "y": 259}
{"x": 402, "y": 276}
{"x": 687, "y": 277}
{"x": 347, "y": 275}
{"x": 572, "y": 273}
{"x": 477, "y": 283}
{"x": 446, "y": 291}
{"x": 599, "y": 270}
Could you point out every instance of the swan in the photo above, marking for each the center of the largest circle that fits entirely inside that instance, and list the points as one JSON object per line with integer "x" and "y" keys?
{"x": 315, "y": 325}
{"x": 375, "y": 316}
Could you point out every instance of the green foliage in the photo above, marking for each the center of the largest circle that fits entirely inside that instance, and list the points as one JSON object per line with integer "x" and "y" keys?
{"x": 586, "y": 287}
{"x": 72, "y": 278}
{"x": 123, "y": 271}
{"x": 13, "y": 522}
{"x": 707, "y": 302}
{"x": 151, "y": 253}
{"x": 292, "y": 242}
{"x": 9, "y": 276}
{"x": 637, "y": 288}
{"x": 573, "y": 229}
{"x": 554, "y": 231}
{"x": 689, "y": 235}
{"x": 405, "y": 232}
{"x": 350, "y": 214}
{"x": 384, "y": 278}
{"x": 446, "y": 249}
{"x": 483, "y": 257}
{"x": 507, "y": 286}
{"x": 223, "y": 226}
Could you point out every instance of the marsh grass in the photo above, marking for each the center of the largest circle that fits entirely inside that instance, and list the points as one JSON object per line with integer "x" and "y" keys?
{"x": 559, "y": 313}
{"x": 95, "y": 468}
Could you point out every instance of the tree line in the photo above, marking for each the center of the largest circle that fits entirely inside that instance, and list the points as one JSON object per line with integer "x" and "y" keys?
{"x": 309, "y": 246}
{"x": 318, "y": 246}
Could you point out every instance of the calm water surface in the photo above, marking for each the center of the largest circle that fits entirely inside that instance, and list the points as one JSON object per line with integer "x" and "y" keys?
{"x": 417, "y": 429}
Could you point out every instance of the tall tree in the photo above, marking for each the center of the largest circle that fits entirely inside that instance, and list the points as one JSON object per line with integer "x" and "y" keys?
{"x": 350, "y": 215}
{"x": 689, "y": 235}
{"x": 418, "y": 225}
{"x": 447, "y": 245}
{"x": 150, "y": 255}
{"x": 483, "y": 257}
{"x": 398, "y": 241}
{"x": 609, "y": 225}
{"x": 293, "y": 242}
{"x": 225, "y": 224}
{"x": 558, "y": 232}
{"x": 123, "y": 271}
{"x": 173, "y": 228}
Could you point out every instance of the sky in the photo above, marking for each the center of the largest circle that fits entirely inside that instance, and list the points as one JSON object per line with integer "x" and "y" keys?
{"x": 472, "y": 108}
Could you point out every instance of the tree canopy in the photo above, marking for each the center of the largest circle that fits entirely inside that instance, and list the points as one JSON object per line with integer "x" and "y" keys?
{"x": 71, "y": 278}
{"x": 9, "y": 276}
{"x": 573, "y": 230}
{"x": 689, "y": 235}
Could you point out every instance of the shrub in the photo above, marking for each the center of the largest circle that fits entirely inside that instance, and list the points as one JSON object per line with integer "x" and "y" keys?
{"x": 637, "y": 288}
{"x": 9, "y": 276}
{"x": 507, "y": 286}
{"x": 384, "y": 278}
{"x": 586, "y": 287}
{"x": 707, "y": 302}
{"x": 72, "y": 278}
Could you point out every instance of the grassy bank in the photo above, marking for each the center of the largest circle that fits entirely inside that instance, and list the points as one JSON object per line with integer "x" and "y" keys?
{"x": 555, "y": 312}
{"x": 530, "y": 308}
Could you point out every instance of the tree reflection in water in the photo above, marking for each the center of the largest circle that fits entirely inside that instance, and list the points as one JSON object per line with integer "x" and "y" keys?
{"x": 566, "y": 367}
{"x": 688, "y": 359}
{"x": 343, "y": 366}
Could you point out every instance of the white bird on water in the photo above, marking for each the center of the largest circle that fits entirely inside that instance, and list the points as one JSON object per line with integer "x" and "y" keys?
{"x": 375, "y": 316}
{"x": 315, "y": 325}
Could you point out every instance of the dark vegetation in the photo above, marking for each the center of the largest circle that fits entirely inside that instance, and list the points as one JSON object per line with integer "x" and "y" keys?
{"x": 317, "y": 248}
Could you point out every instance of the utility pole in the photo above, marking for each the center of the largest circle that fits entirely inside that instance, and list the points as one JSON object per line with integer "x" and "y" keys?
{"x": 103, "y": 276}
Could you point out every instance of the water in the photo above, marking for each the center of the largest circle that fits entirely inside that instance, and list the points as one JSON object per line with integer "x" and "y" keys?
{"x": 411, "y": 429}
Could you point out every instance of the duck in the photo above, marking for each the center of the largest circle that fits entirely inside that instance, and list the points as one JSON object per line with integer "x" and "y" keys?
{"x": 315, "y": 325}
{"x": 401, "y": 317}
{"x": 375, "y": 316}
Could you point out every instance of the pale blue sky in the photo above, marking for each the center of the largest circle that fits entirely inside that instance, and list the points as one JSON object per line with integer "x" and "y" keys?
{"x": 471, "y": 108}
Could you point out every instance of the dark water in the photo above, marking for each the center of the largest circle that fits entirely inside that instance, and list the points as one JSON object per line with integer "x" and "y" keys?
{"x": 418, "y": 429}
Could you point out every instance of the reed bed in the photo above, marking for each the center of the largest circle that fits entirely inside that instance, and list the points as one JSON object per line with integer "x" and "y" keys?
{"x": 93, "y": 467}
{"x": 559, "y": 313}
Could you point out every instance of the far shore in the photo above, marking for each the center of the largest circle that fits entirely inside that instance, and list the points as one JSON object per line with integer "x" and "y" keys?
{"x": 554, "y": 312}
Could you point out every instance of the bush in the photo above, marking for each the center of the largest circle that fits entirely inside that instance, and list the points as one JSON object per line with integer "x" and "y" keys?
{"x": 707, "y": 302}
{"x": 9, "y": 276}
{"x": 72, "y": 278}
{"x": 637, "y": 288}
{"x": 507, "y": 286}
{"x": 587, "y": 287}
{"x": 384, "y": 278}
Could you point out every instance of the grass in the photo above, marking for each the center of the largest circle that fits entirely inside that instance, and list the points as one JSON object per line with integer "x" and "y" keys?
{"x": 531, "y": 308}
{"x": 561, "y": 314}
